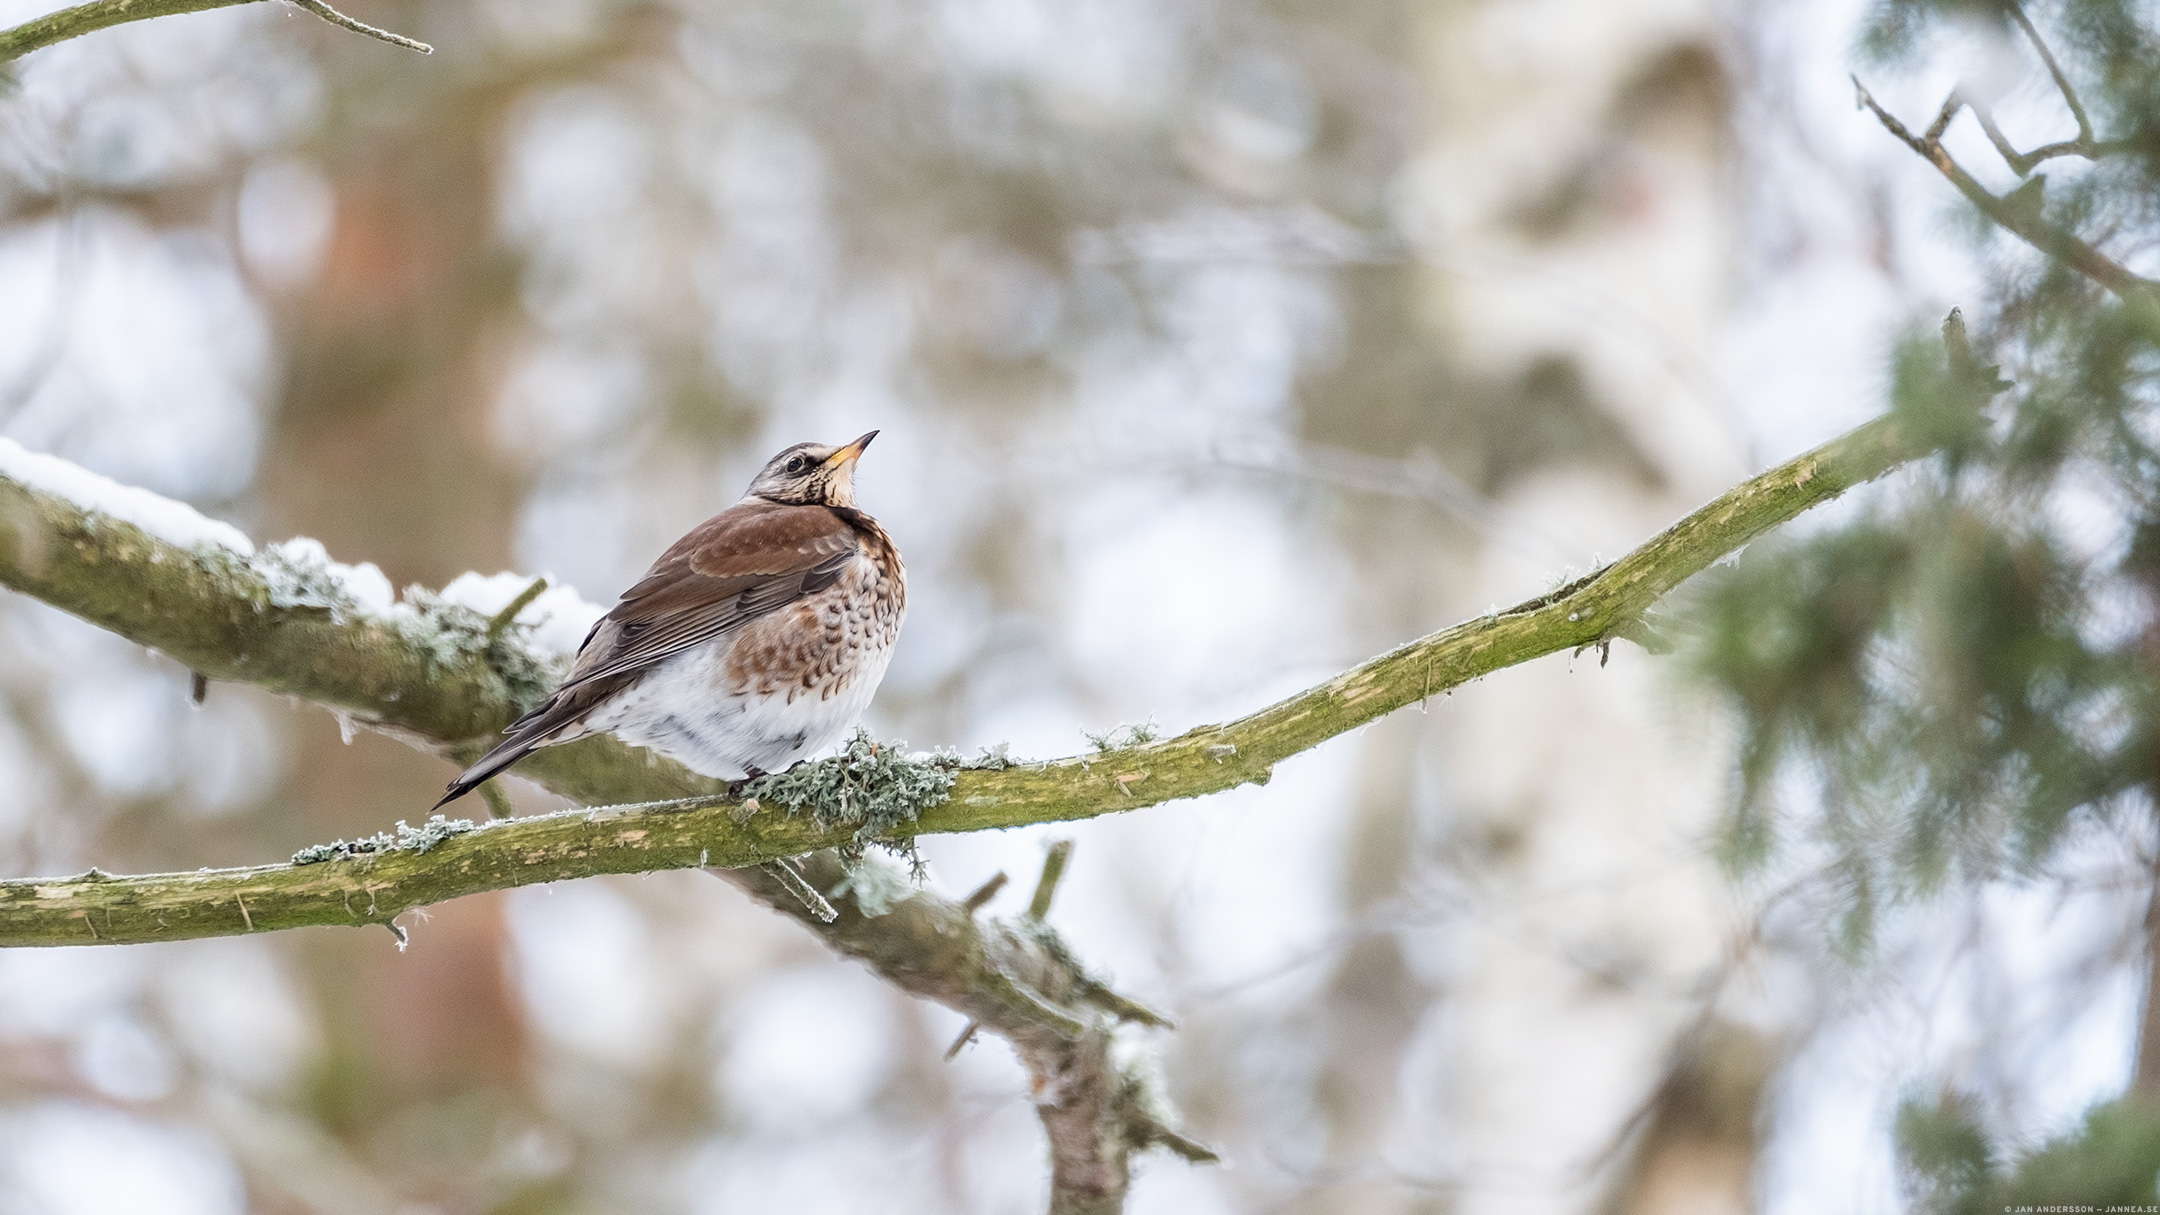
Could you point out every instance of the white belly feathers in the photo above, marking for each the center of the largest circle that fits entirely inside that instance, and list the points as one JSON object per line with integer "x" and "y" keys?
{"x": 720, "y": 710}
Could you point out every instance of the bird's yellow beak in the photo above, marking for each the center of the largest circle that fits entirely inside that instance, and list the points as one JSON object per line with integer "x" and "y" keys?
{"x": 851, "y": 452}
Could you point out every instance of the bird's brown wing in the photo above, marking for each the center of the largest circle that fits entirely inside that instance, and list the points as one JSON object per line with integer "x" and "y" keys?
{"x": 733, "y": 569}
{"x": 746, "y": 561}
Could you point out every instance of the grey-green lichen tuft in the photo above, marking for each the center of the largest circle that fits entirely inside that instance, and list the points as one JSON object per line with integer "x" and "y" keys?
{"x": 1123, "y": 737}
{"x": 450, "y": 633}
{"x": 408, "y": 839}
{"x": 871, "y": 786}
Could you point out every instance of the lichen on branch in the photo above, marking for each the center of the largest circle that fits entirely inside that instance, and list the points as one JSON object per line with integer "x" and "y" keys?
{"x": 875, "y": 788}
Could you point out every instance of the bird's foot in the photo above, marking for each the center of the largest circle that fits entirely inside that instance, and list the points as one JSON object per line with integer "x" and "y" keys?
{"x": 735, "y": 788}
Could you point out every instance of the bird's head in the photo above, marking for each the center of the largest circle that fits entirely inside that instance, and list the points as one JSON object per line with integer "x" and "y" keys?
{"x": 811, "y": 474}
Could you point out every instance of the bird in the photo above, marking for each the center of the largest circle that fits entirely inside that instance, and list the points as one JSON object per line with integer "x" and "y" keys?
{"x": 754, "y": 642}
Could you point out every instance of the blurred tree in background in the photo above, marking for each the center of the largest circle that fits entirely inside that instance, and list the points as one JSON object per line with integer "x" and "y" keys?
{"x": 1217, "y": 345}
{"x": 1955, "y": 685}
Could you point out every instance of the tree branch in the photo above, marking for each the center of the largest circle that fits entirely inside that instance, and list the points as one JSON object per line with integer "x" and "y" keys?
{"x": 2083, "y": 144}
{"x": 2021, "y": 214}
{"x": 1018, "y": 978}
{"x": 68, "y": 23}
{"x": 428, "y": 675}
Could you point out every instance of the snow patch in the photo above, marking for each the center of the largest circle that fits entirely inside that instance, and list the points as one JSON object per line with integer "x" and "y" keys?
{"x": 301, "y": 574}
{"x": 554, "y": 623}
{"x": 173, "y": 522}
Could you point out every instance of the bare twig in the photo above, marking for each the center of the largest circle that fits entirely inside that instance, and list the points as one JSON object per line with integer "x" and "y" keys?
{"x": 504, "y": 618}
{"x": 791, "y": 880}
{"x": 337, "y": 18}
{"x": 1191, "y": 1149}
{"x": 967, "y": 1035}
{"x": 2141, "y": 295}
{"x": 2085, "y": 145}
{"x": 1053, "y": 871}
{"x": 2062, "y": 82}
{"x": 984, "y": 893}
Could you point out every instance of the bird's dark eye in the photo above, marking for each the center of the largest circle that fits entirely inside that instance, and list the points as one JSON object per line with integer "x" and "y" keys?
{"x": 796, "y": 464}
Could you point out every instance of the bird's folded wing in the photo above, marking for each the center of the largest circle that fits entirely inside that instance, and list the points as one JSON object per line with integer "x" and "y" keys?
{"x": 747, "y": 561}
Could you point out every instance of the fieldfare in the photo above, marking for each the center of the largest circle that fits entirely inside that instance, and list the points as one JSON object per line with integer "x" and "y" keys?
{"x": 753, "y": 642}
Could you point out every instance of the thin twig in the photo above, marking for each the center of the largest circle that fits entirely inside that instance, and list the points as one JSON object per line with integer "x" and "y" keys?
{"x": 337, "y": 18}
{"x": 1191, "y": 1149}
{"x": 1122, "y": 1006}
{"x": 503, "y": 619}
{"x": 2062, "y": 81}
{"x": 790, "y": 878}
{"x": 984, "y": 893}
{"x": 1052, "y": 871}
{"x": 1950, "y": 107}
{"x": 2085, "y": 145}
{"x": 967, "y": 1035}
{"x": 2024, "y": 162}
{"x": 2142, "y": 295}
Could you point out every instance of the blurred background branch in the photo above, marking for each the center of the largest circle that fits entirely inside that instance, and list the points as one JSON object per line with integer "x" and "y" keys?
{"x": 2020, "y": 210}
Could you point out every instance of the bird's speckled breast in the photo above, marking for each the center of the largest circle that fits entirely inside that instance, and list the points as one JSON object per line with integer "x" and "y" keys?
{"x": 781, "y": 689}
{"x": 820, "y": 645}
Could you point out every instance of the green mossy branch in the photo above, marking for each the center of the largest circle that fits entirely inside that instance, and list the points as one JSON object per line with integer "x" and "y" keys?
{"x": 69, "y": 23}
{"x": 44, "y": 31}
{"x": 214, "y": 612}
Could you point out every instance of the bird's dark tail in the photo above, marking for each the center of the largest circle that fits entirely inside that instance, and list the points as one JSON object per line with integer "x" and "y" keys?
{"x": 507, "y": 753}
{"x": 557, "y": 719}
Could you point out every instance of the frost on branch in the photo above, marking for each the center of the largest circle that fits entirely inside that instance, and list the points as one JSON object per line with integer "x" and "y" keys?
{"x": 408, "y": 839}
{"x": 447, "y": 625}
